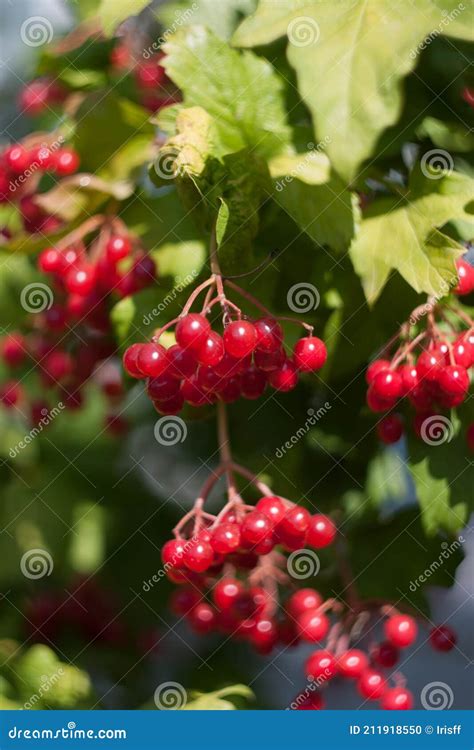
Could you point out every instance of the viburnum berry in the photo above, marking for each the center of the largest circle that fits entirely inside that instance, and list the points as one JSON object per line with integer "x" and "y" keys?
{"x": 202, "y": 618}
{"x": 81, "y": 279}
{"x": 285, "y": 378}
{"x": 264, "y": 635}
{"x": 181, "y": 363}
{"x": 17, "y": 158}
{"x": 321, "y": 531}
{"x": 321, "y": 664}
{"x": 226, "y": 538}
{"x": 377, "y": 404}
{"x": 198, "y": 556}
{"x": 465, "y": 283}
{"x": 130, "y": 361}
{"x": 171, "y": 405}
{"x": 313, "y": 625}
{"x": 211, "y": 351}
{"x": 410, "y": 379}
{"x": 309, "y": 354}
{"x": 390, "y": 429}
{"x": 371, "y": 684}
{"x": 66, "y": 161}
{"x": 396, "y": 699}
{"x": 385, "y": 654}
{"x": 152, "y": 360}
{"x": 192, "y": 331}
{"x": 454, "y": 380}
{"x": 400, "y": 630}
{"x": 226, "y": 592}
{"x": 50, "y": 260}
{"x": 256, "y": 527}
{"x": 387, "y": 385}
{"x": 302, "y": 601}
{"x": 443, "y": 638}
{"x": 117, "y": 248}
{"x": 253, "y": 383}
{"x": 272, "y": 507}
{"x": 352, "y": 663}
{"x": 10, "y": 393}
{"x": 463, "y": 352}
{"x": 162, "y": 388}
{"x": 269, "y": 335}
{"x": 269, "y": 361}
{"x": 295, "y": 522}
{"x": 172, "y": 553}
{"x": 377, "y": 366}
{"x": 13, "y": 349}
{"x": 240, "y": 338}
{"x": 430, "y": 364}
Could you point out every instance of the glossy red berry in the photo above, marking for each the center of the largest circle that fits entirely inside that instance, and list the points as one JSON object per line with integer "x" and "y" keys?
{"x": 81, "y": 279}
{"x": 320, "y": 532}
{"x": 17, "y": 159}
{"x": 66, "y": 161}
{"x": 454, "y": 380}
{"x": 50, "y": 260}
{"x": 430, "y": 363}
{"x": 13, "y": 349}
{"x": 117, "y": 248}
{"x": 400, "y": 630}
{"x": 285, "y": 378}
{"x": 202, "y": 618}
{"x": 376, "y": 404}
{"x": 130, "y": 361}
{"x": 253, "y": 383}
{"x": 211, "y": 351}
{"x": 302, "y": 601}
{"x": 385, "y": 654}
{"x": 198, "y": 555}
{"x": 264, "y": 635}
{"x": 240, "y": 338}
{"x": 269, "y": 361}
{"x": 172, "y": 553}
{"x": 152, "y": 360}
{"x": 162, "y": 388}
{"x": 172, "y": 405}
{"x": 397, "y": 699}
{"x": 256, "y": 527}
{"x": 463, "y": 352}
{"x": 226, "y": 592}
{"x": 352, "y": 663}
{"x": 465, "y": 283}
{"x": 387, "y": 385}
{"x": 295, "y": 522}
{"x": 269, "y": 335}
{"x": 225, "y": 538}
{"x": 321, "y": 665}
{"x": 443, "y": 638}
{"x": 390, "y": 429}
{"x": 192, "y": 331}
{"x": 371, "y": 684}
{"x": 181, "y": 362}
{"x": 309, "y": 354}
{"x": 378, "y": 365}
{"x": 10, "y": 393}
{"x": 410, "y": 379}
{"x": 272, "y": 507}
{"x": 313, "y": 625}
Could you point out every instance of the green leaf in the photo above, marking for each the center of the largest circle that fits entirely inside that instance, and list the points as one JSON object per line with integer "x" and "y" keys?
{"x": 216, "y": 701}
{"x": 451, "y": 136}
{"x": 222, "y": 23}
{"x": 401, "y": 233}
{"x": 350, "y": 58}
{"x": 242, "y": 92}
{"x": 113, "y": 12}
{"x": 81, "y": 194}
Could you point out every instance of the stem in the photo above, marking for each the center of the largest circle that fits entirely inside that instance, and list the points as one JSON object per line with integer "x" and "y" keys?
{"x": 210, "y": 281}
{"x": 224, "y": 449}
{"x": 86, "y": 228}
{"x": 407, "y": 349}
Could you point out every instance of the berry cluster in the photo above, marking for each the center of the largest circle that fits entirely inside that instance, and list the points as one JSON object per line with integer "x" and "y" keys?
{"x": 206, "y": 365}
{"x": 21, "y": 166}
{"x": 430, "y": 370}
{"x": 231, "y": 565}
{"x": 69, "y": 341}
{"x": 154, "y": 88}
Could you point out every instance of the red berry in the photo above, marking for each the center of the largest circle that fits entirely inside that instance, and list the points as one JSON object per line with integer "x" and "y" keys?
{"x": 172, "y": 553}
{"x": 17, "y": 159}
{"x": 198, "y": 556}
{"x": 253, "y": 384}
{"x": 285, "y": 378}
{"x": 269, "y": 335}
{"x": 421, "y": 398}
{"x": 207, "y": 379}
{"x": 454, "y": 380}
{"x": 409, "y": 375}
{"x": 463, "y": 352}
{"x": 256, "y": 527}
{"x": 321, "y": 664}
{"x": 13, "y": 349}
{"x": 202, "y": 618}
{"x": 387, "y": 385}
{"x": 352, "y": 663}
{"x": 321, "y": 531}
{"x": 272, "y": 507}
{"x": 400, "y": 630}
{"x": 377, "y": 404}
{"x": 378, "y": 365}
{"x": 240, "y": 338}
{"x": 226, "y": 592}
{"x": 309, "y": 354}
{"x": 50, "y": 260}
{"x": 162, "y": 388}
{"x": 130, "y": 361}
{"x": 192, "y": 331}
{"x": 264, "y": 635}
{"x": 371, "y": 684}
{"x": 10, "y": 393}
{"x": 443, "y": 638}
{"x": 229, "y": 390}
{"x": 118, "y": 247}
{"x": 295, "y": 522}
{"x": 172, "y": 405}
{"x": 396, "y": 699}
{"x": 152, "y": 359}
{"x": 193, "y": 393}
{"x": 143, "y": 272}
{"x": 57, "y": 365}
{"x": 181, "y": 363}
{"x": 66, "y": 161}
{"x": 465, "y": 283}
{"x": 385, "y": 654}
{"x": 211, "y": 351}
{"x": 430, "y": 363}
{"x": 313, "y": 625}
{"x": 302, "y": 601}
{"x": 225, "y": 538}
{"x": 390, "y": 429}
{"x": 81, "y": 279}
{"x": 150, "y": 74}
{"x": 269, "y": 361}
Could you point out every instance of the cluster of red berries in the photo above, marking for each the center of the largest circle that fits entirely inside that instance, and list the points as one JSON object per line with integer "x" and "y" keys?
{"x": 365, "y": 669}
{"x": 20, "y": 168}
{"x": 431, "y": 371}
{"x": 154, "y": 88}
{"x": 205, "y": 366}
{"x": 252, "y": 540}
{"x": 87, "y": 611}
